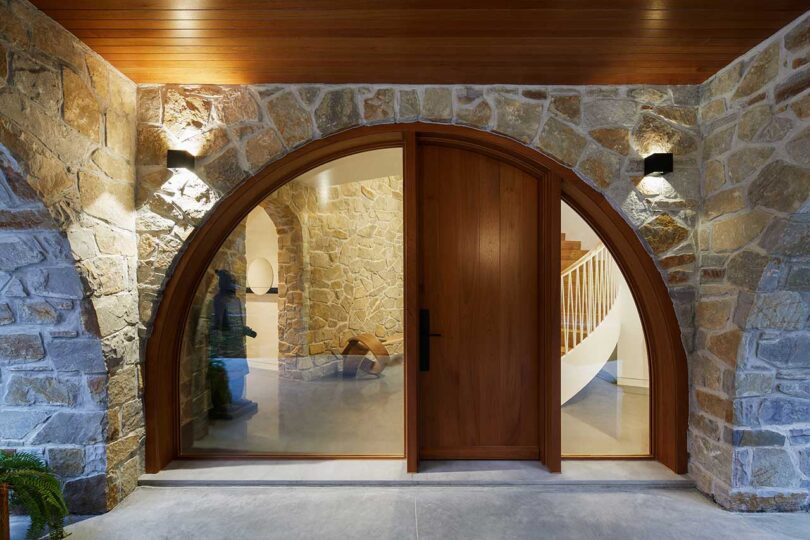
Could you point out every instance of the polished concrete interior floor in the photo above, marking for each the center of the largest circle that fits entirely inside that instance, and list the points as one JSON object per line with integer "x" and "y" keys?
{"x": 243, "y": 513}
{"x": 333, "y": 415}
{"x": 606, "y": 419}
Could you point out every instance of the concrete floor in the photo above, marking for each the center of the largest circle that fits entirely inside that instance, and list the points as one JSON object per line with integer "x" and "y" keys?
{"x": 606, "y": 419}
{"x": 326, "y": 416}
{"x": 428, "y": 512}
{"x": 388, "y": 472}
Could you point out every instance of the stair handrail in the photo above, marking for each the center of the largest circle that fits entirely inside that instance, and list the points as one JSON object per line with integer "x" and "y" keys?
{"x": 588, "y": 290}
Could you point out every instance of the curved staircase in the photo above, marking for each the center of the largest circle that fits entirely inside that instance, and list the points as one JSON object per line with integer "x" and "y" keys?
{"x": 589, "y": 313}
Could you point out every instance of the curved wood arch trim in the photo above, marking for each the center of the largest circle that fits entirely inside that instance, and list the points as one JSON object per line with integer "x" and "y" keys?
{"x": 667, "y": 358}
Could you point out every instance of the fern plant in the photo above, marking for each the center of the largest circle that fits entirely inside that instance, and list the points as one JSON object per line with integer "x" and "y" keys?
{"x": 35, "y": 489}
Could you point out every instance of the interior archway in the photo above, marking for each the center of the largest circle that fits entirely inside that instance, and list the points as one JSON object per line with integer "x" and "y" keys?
{"x": 668, "y": 368}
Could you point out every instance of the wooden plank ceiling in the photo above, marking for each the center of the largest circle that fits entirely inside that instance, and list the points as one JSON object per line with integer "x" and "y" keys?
{"x": 422, "y": 41}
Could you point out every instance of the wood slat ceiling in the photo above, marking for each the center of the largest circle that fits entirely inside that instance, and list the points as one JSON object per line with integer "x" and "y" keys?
{"x": 422, "y": 41}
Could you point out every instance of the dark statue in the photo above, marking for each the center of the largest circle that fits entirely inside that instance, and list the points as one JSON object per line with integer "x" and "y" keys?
{"x": 228, "y": 365}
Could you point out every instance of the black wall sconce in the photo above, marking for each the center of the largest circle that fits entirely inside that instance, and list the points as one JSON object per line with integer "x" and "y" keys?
{"x": 179, "y": 159}
{"x": 658, "y": 164}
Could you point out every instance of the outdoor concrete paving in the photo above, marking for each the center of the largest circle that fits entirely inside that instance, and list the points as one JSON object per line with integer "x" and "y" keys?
{"x": 348, "y": 512}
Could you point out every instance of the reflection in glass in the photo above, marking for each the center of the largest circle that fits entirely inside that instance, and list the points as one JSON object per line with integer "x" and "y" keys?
{"x": 310, "y": 364}
{"x": 605, "y": 371}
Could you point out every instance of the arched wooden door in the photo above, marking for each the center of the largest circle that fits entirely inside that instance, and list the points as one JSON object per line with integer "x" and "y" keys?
{"x": 552, "y": 181}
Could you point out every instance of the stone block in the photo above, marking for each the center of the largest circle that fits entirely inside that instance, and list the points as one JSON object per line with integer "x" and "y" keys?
{"x": 38, "y": 82}
{"x": 56, "y": 282}
{"x": 718, "y": 142}
{"x": 87, "y": 495}
{"x": 738, "y": 230}
{"x": 568, "y": 107}
{"x": 478, "y": 115}
{"x": 786, "y": 351}
{"x": 18, "y": 424}
{"x": 601, "y": 166}
{"x": 122, "y": 387}
{"x": 616, "y": 139}
{"x": 114, "y": 313}
{"x": 237, "y": 105}
{"x": 793, "y": 85}
{"x": 37, "y": 312}
{"x": 337, "y": 111}
{"x": 24, "y": 390}
{"x": 799, "y": 36}
{"x": 652, "y": 134}
{"x": 262, "y": 148}
{"x": 72, "y": 427}
{"x": 761, "y": 71}
{"x": 713, "y": 314}
{"x": 663, "y": 233}
{"x": 745, "y": 269}
{"x": 717, "y": 406}
{"x": 516, "y": 118}
{"x": 746, "y": 161}
{"x": 379, "y": 107}
{"x": 725, "y": 346}
{"x": 185, "y": 112}
{"x": 754, "y": 383}
{"x": 66, "y": 461}
{"x": 753, "y": 120}
{"x": 80, "y": 108}
{"x": 408, "y": 105}
{"x": 224, "y": 172}
{"x": 437, "y": 104}
{"x": 18, "y": 252}
{"x": 109, "y": 200}
{"x": 685, "y": 116}
{"x": 291, "y": 120}
{"x": 561, "y": 141}
{"x": 610, "y": 112}
{"x": 780, "y": 411}
{"x": 772, "y": 467}
{"x": 78, "y": 355}
{"x": 20, "y": 348}
{"x": 781, "y": 310}
{"x": 724, "y": 202}
{"x": 799, "y": 148}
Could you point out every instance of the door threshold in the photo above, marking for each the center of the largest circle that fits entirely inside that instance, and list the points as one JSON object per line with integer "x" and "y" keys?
{"x": 607, "y": 473}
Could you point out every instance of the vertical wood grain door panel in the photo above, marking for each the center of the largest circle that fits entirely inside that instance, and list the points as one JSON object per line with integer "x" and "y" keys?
{"x": 479, "y": 242}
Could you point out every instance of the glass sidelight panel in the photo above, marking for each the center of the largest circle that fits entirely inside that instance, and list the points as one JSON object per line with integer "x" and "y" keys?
{"x": 294, "y": 344}
{"x": 605, "y": 382}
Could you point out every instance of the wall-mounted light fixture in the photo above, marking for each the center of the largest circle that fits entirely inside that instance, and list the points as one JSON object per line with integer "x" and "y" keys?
{"x": 179, "y": 159}
{"x": 658, "y": 164}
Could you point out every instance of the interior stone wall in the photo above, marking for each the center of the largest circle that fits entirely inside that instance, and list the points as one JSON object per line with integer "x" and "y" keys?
{"x": 69, "y": 376}
{"x": 349, "y": 279}
{"x": 750, "y": 428}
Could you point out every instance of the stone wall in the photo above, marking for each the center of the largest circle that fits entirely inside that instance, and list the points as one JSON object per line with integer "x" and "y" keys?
{"x": 350, "y": 276}
{"x": 750, "y": 427}
{"x": 69, "y": 377}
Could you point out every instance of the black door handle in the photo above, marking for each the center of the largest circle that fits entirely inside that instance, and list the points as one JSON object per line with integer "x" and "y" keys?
{"x": 424, "y": 339}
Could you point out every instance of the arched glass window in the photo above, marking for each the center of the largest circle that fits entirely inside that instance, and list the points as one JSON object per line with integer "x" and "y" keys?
{"x": 295, "y": 338}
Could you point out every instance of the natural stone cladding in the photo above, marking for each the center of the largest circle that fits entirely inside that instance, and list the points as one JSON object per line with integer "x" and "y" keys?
{"x": 69, "y": 375}
{"x": 750, "y": 421}
{"x": 344, "y": 276}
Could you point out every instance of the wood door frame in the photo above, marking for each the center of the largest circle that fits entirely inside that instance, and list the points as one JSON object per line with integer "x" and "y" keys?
{"x": 668, "y": 368}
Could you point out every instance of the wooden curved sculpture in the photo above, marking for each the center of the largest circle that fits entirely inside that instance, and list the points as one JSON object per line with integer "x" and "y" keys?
{"x": 356, "y": 351}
